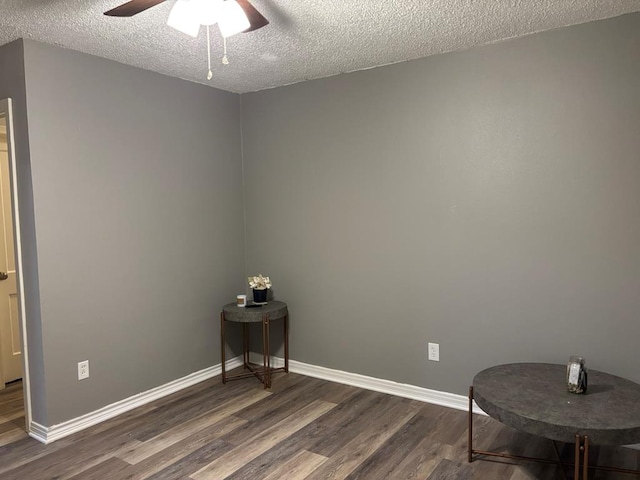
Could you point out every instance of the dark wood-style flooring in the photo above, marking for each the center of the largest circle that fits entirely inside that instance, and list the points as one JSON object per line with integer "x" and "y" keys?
{"x": 12, "y": 425}
{"x": 303, "y": 428}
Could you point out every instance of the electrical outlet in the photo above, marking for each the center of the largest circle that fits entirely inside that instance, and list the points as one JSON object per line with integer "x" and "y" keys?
{"x": 83, "y": 370}
{"x": 434, "y": 352}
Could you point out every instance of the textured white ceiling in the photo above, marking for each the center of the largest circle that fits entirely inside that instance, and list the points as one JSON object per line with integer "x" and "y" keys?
{"x": 306, "y": 39}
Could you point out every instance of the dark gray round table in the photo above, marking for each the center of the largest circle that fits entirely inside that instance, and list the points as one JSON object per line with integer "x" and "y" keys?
{"x": 533, "y": 397}
{"x": 264, "y": 314}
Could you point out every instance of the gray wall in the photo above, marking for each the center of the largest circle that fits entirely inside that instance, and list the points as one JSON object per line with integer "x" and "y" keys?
{"x": 137, "y": 191}
{"x": 486, "y": 200}
{"x": 12, "y": 85}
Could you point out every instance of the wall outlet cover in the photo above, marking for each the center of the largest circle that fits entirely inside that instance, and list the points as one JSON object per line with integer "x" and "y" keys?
{"x": 434, "y": 352}
{"x": 83, "y": 370}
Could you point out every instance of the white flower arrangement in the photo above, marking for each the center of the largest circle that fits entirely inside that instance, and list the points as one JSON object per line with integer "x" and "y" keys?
{"x": 259, "y": 282}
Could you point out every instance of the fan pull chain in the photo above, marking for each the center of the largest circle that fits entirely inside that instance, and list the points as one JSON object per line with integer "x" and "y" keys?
{"x": 209, "y": 73}
{"x": 225, "y": 60}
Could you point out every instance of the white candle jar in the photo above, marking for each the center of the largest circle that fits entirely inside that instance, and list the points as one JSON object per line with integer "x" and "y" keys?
{"x": 576, "y": 375}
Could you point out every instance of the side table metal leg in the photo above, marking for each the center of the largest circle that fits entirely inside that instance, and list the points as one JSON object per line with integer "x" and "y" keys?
{"x": 576, "y": 459}
{"x": 266, "y": 371}
{"x": 222, "y": 348}
{"x": 245, "y": 345}
{"x": 286, "y": 343}
{"x": 269, "y": 350}
{"x": 470, "y": 440}
{"x": 585, "y": 468}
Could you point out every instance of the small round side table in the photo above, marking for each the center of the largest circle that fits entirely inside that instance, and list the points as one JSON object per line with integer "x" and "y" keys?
{"x": 264, "y": 314}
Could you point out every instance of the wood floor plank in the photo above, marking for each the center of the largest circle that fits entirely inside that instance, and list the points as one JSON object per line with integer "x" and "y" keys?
{"x": 194, "y": 461}
{"x": 29, "y": 450}
{"x": 281, "y": 381}
{"x": 12, "y": 424}
{"x": 272, "y": 411}
{"x": 13, "y": 391}
{"x": 269, "y": 461}
{"x": 7, "y": 418}
{"x": 383, "y": 463}
{"x": 529, "y": 472}
{"x": 330, "y": 434}
{"x": 12, "y": 435}
{"x": 502, "y": 442}
{"x": 234, "y": 460}
{"x": 485, "y": 431}
{"x": 25, "y": 450}
{"x": 111, "y": 467}
{"x": 166, "y": 416}
{"x": 12, "y": 407}
{"x": 450, "y": 426}
{"x": 62, "y": 458}
{"x": 64, "y": 463}
{"x": 337, "y": 392}
{"x": 174, "y": 453}
{"x": 420, "y": 462}
{"x": 448, "y": 470}
{"x": 298, "y": 467}
{"x": 352, "y": 454}
{"x": 189, "y": 427}
{"x": 13, "y": 402}
{"x": 10, "y": 395}
{"x": 262, "y": 410}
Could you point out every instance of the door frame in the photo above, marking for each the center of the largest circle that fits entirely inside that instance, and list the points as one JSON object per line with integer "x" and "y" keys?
{"x": 7, "y": 113}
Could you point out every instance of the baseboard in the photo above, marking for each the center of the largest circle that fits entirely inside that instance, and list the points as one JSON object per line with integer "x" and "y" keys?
{"x": 436, "y": 397}
{"x": 61, "y": 430}
{"x": 38, "y": 432}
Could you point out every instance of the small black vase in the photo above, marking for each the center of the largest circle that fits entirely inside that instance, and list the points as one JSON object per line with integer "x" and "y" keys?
{"x": 259, "y": 296}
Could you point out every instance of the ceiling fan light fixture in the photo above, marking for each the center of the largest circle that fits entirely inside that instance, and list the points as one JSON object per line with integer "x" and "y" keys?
{"x": 232, "y": 18}
{"x": 207, "y": 11}
{"x": 184, "y": 17}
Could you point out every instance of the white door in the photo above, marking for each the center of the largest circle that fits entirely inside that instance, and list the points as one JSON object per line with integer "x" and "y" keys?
{"x": 10, "y": 344}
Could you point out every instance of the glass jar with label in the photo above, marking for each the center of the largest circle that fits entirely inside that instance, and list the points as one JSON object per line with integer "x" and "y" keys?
{"x": 576, "y": 375}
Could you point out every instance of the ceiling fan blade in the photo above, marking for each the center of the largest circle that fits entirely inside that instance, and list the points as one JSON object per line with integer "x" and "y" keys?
{"x": 256, "y": 19}
{"x": 131, "y": 8}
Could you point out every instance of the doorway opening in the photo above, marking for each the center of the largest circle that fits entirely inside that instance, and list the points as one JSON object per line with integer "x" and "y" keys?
{"x": 15, "y": 412}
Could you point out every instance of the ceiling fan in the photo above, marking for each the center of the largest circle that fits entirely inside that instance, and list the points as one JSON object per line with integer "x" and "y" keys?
{"x": 133, "y": 7}
{"x": 186, "y": 16}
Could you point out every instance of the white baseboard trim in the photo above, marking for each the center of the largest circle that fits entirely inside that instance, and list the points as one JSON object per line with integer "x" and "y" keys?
{"x": 444, "y": 399}
{"x": 61, "y": 430}
{"x": 38, "y": 432}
